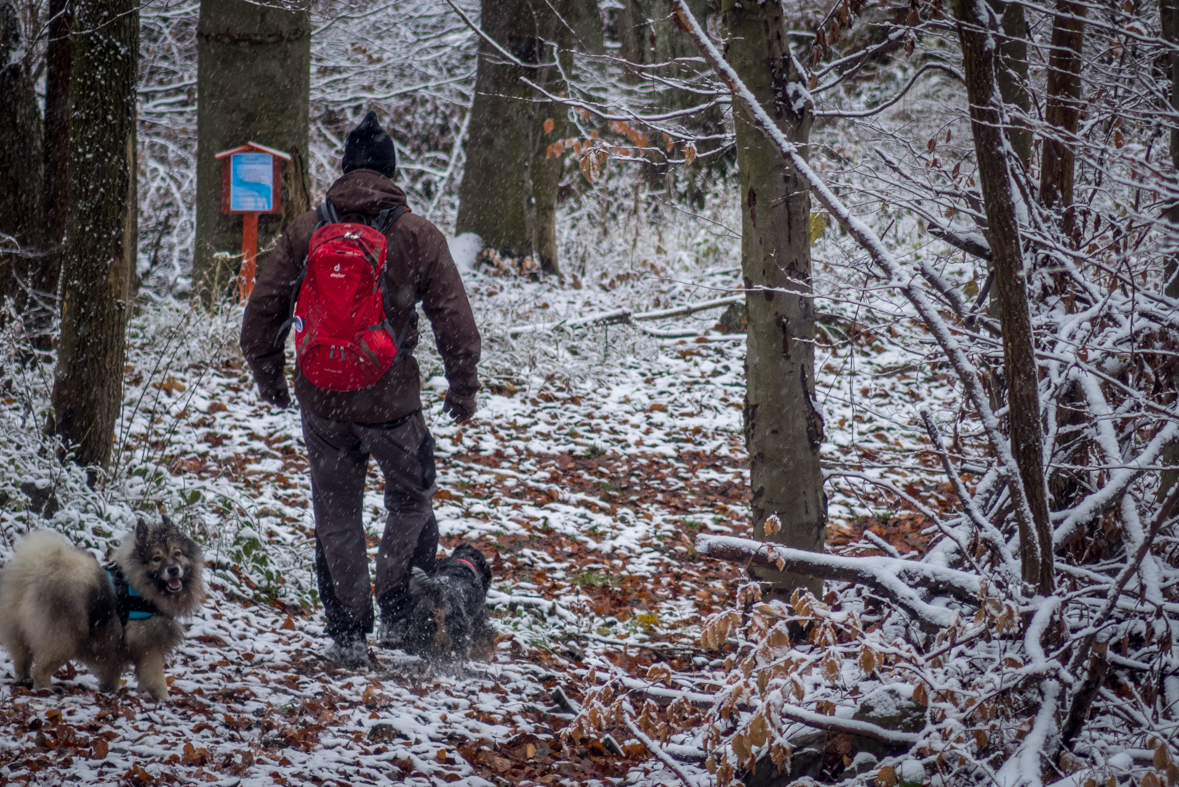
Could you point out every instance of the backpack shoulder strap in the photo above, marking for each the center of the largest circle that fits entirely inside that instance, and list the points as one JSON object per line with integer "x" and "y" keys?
{"x": 327, "y": 214}
{"x": 388, "y": 217}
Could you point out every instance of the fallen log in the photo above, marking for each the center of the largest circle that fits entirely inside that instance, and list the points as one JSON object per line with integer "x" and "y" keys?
{"x": 625, "y": 316}
{"x": 892, "y": 577}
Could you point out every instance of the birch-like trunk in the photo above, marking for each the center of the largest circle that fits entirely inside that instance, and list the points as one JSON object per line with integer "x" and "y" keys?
{"x": 100, "y": 228}
{"x": 783, "y": 429}
{"x": 979, "y": 60}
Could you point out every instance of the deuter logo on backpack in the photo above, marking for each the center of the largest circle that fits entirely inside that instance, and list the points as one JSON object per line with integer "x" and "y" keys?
{"x": 343, "y": 339}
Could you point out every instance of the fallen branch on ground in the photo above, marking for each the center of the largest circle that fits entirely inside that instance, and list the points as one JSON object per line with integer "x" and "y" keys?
{"x": 889, "y": 576}
{"x": 626, "y": 316}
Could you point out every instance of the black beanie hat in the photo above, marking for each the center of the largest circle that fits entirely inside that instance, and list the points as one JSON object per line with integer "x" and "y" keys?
{"x": 369, "y": 147}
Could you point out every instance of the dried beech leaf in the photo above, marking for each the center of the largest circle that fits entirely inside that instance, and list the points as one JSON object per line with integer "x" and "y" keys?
{"x": 867, "y": 660}
{"x": 593, "y": 163}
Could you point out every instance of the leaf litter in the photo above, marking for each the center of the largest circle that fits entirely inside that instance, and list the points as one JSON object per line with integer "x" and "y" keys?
{"x": 585, "y": 490}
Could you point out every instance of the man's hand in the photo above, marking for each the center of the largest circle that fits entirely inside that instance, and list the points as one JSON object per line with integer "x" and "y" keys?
{"x": 277, "y": 396}
{"x": 459, "y": 408}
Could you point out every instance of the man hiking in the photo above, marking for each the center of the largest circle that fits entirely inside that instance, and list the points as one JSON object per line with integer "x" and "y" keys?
{"x": 356, "y": 378}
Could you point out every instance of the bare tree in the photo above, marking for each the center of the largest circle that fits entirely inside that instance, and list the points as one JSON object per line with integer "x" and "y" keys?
{"x": 1019, "y": 358}
{"x": 253, "y": 83}
{"x": 22, "y": 246}
{"x": 508, "y": 195}
{"x": 783, "y": 428}
{"x": 1063, "y": 111}
{"x": 59, "y": 52}
{"x": 101, "y": 224}
{"x": 493, "y": 196}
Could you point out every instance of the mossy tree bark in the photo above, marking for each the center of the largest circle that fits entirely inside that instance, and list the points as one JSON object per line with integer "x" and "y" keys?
{"x": 21, "y": 169}
{"x": 1010, "y": 291}
{"x": 253, "y": 85}
{"x": 783, "y": 428}
{"x": 100, "y": 228}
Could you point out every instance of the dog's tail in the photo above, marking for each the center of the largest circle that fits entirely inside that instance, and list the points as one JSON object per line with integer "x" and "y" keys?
{"x": 418, "y": 580}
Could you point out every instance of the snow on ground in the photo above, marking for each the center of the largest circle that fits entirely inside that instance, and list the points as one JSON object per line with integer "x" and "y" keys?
{"x": 596, "y": 456}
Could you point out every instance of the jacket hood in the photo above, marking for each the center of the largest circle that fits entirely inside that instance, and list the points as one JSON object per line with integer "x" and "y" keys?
{"x": 365, "y": 191}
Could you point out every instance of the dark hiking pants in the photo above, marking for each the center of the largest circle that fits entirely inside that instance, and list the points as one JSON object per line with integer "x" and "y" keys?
{"x": 339, "y": 453}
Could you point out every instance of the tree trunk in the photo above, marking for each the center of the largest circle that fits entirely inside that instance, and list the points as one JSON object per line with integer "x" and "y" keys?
{"x": 1010, "y": 291}
{"x": 1169, "y": 10}
{"x": 546, "y": 174}
{"x": 1012, "y": 73}
{"x": 100, "y": 228}
{"x": 253, "y": 85}
{"x": 1063, "y": 111}
{"x": 495, "y": 191}
{"x": 58, "y": 56}
{"x": 21, "y": 169}
{"x": 572, "y": 25}
{"x": 783, "y": 429}
{"x": 634, "y": 35}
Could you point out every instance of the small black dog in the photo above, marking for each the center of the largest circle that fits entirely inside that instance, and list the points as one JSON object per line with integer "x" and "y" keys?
{"x": 447, "y": 619}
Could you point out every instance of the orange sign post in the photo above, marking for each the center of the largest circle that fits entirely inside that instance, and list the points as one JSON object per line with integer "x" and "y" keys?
{"x": 251, "y": 184}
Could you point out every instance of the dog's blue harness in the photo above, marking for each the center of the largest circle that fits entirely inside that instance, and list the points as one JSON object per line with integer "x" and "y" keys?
{"x": 130, "y": 605}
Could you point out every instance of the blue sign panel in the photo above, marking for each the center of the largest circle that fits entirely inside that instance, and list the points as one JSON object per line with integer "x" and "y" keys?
{"x": 251, "y": 182}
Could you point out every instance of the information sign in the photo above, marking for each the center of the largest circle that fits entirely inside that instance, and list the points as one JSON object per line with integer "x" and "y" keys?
{"x": 251, "y": 182}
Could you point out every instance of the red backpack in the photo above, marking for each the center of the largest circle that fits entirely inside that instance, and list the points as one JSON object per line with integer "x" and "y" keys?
{"x": 343, "y": 339}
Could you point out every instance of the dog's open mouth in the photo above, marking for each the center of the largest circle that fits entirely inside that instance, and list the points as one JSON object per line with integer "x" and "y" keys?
{"x": 174, "y": 585}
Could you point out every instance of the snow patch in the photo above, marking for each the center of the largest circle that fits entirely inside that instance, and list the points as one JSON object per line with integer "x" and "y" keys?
{"x": 464, "y": 249}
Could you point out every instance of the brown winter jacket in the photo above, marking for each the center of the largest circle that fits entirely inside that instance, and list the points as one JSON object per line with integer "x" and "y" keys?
{"x": 418, "y": 269}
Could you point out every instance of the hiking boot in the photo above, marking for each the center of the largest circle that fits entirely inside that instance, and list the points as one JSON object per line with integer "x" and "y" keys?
{"x": 349, "y": 653}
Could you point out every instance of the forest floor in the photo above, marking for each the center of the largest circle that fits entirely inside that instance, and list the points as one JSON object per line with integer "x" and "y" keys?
{"x": 583, "y": 490}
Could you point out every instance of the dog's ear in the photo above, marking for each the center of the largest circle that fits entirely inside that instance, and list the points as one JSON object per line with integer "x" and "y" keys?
{"x": 168, "y": 523}
{"x": 141, "y": 531}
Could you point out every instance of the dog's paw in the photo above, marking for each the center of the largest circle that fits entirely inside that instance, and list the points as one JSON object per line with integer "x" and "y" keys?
{"x": 157, "y": 693}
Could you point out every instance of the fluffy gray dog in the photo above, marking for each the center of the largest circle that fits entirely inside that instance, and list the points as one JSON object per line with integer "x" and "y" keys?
{"x": 58, "y": 605}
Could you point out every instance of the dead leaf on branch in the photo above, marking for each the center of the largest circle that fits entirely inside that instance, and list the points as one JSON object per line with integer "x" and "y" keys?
{"x": 593, "y": 164}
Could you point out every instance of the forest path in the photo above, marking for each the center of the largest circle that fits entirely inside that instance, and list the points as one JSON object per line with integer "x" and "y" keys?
{"x": 584, "y": 491}
{"x": 583, "y": 500}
